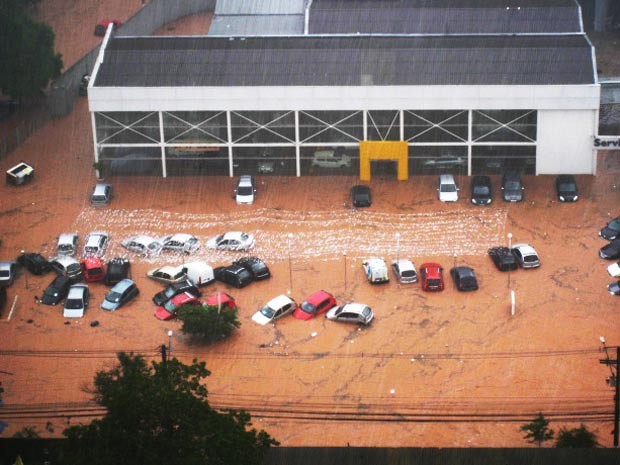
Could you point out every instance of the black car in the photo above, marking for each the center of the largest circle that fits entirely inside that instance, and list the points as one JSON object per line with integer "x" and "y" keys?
{"x": 613, "y": 288}
{"x": 566, "y": 188}
{"x": 235, "y": 275}
{"x": 360, "y": 196}
{"x": 34, "y": 262}
{"x": 481, "y": 192}
{"x": 503, "y": 258}
{"x": 175, "y": 289}
{"x": 611, "y": 230}
{"x": 57, "y": 290}
{"x": 257, "y": 268}
{"x": 512, "y": 187}
{"x": 464, "y": 278}
{"x": 116, "y": 270}
{"x": 83, "y": 87}
{"x": 2, "y": 299}
{"x": 611, "y": 251}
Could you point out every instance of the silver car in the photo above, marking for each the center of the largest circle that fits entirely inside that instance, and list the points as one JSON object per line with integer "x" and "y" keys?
{"x": 96, "y": 244}
{"x": 144, "y": 245}
{"x": 180, "y": 242}
{"x": 76, "y": 301}
{"x": 67, "y": 266}
{"x": 120, "y": 294}
{"x": 67, "y": 244}
{"x": 102, "y": 194}
{"x": 7, "y": 273}
{"x": 351, "y": 313}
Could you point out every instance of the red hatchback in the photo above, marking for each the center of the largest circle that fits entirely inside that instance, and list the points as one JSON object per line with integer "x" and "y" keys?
{"x": 432, "y": 277}
{"x": 168, "y": 310}
{"x": 93, "y": 269}
{"x": 317, "y": 303}
{"x": 222, "y": 300}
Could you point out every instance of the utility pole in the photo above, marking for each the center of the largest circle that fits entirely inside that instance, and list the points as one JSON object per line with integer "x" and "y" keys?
{"x": 614, "y": 377}
{"x": 163, "y": 353}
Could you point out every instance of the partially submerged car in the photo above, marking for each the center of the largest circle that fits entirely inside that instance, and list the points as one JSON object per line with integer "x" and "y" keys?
{"x": 376, "y": 270}
{"x": 175, "y": 289}
{"x": 464, "y": 278}
{"x": 199, "y": 272}
{"x": 96, "y": 244}
{"x": 331, "y": 158}
{"x": 614, "y": 288}
{"x": 36, "y": 263}
{"x": 566, "y": 188}
{"x": 93, "y": 269}
{"x": 610, "y": 251}
{"x": 67, "y": 266}
{"x": 360, "y": 196}
{"x": 351, "y": 313}
{"x": 67, "y": 244}
{"x": 314, "y": 305}
{"x": 257, "y": 268}
{"x": 503, "y": 258}
{"x": 101, "y": 195}
{"x": 117, "y": 269}
{"x": 245, "y": 192}
{"x": 232, "y": 240}
{"x": 235, "y": 275}
{"x": 526, "y": 256}
{"x": 481, "y": 191}
{"x": 512, "y": 187}
{"x": 447, "y": 190}
{"x": 76, "y": 302}
{"x": 168, "y": 274}
{"x": 274, "y": 309}
{"x": 180, "y": 242}
{"x": 611, "y": 230}
{"x": 431, "y": 276}
{"x": 7, "y": 273}
{"x": 405, "y": 271}
{"x": 221, "y": 300}
{"x": 56, "y": 291}
{"x": 168, "y": 309}
{"x": 120, "y": 294}
{"x": 143, "y": 245}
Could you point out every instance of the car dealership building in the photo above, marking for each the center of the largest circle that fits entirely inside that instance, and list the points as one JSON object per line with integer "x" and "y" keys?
{"x": 464, "y": 86}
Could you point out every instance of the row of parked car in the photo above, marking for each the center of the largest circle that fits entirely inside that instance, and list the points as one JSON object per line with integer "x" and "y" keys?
{"x": 512, "y": 189}
{"x": 611, "y": 251}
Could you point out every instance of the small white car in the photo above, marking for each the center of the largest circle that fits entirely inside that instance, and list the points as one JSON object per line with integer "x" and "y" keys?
{"x": 8, "y": 270}
{"x": 144, "y": 245}
{"x": 614, "y": 270}
{"x": 351, "y": 313}
{"x": 168, "y": 274}
{"x": 101, "y": 195}
{"x": 447, "y": 189}
{"x": 67, "y": 244}
{"x": 76, "y": 302}
{"x": 180, "y": 242}
{"x": 245, "y": 192}
{"x": 405, "y": 271}
{"x": 526, "y": 256}
{"x": 232, "y": 240}
{"x": 96, "y": 244}
{"x": 275, "y": 308}
{"x": 376, "y": 270}
{"x": 200, "y": 273}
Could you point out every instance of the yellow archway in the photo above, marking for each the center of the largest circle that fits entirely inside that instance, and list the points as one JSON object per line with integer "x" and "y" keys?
{"x": 384, "y": 150}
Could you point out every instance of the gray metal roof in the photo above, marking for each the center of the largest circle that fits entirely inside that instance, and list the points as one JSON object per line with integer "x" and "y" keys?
{"x": 443, "y": 16}
{"x": 345, "y": 61}
{"x": 257, "y": 25}
{"x": 259, "y": 7}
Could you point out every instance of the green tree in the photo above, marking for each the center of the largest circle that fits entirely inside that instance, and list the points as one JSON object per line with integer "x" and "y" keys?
{"x": 26, "y": 51}
{"x": 538, "y": 430}
{"x": 159, "y": 414}
{"x": 576, "y": 438}
{"x": 206, "y": 323}
{"x": 27, "y": 432}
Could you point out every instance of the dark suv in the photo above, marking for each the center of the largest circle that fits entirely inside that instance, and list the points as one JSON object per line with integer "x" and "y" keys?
{"x": 257, "y": 268}
{"x": 360, "y": 196}
{"x": 481, "y": 193}
{"x": 512, "y": 187}
{"x": 235, "y": 275}
{"x": 117, "y": 270}
{"x": 34, "y": 262}
{"x": 503, "y": 258}
{"x": 57, "y": 290}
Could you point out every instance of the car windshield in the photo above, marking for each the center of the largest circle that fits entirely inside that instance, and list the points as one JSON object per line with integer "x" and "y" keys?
{"x": 267, "y": 311}
{"x": 74, "y": 304}
{"x": 615, "y": 225}
{"x": 91, "y": 249}
{"x": 244, "y": 190}
{"x": 113, "y": 297}
{"x": 468, "y": 281}
{"x": 366, "y": 312}
{"x": 170, "y": 307}
{"x": 362, "y": 196}
{"x": 513, "y": 185}
{"x": 65, "y": 247}
{"x": 567, "y": 187}
{"x": 92, "y": 271}
{"x": 243, "y": 237}
{"x": 308, "y": 307}
{"x": 481, "y": 190}
{"x": 530, "y": 258}
{"x": 169, "y": 292}
{"x": 4, "y": 273}
{"x": 448, "y": 188}
{"x": 407, "y": 274}
{"x": 433, "y": 282}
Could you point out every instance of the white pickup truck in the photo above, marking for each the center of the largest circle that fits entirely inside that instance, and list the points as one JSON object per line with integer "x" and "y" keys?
{"x": 19, "y": 174}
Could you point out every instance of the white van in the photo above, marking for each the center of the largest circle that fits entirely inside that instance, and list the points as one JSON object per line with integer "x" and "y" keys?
{"x": 446, "y": 188}
{"x": 199, "y": 272}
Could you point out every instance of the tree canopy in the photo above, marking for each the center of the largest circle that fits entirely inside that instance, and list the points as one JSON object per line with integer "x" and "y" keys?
{"x": 206, "y": 323}
{"x": 576, "y": 438}
{"x": 26, "y": 51}
{"x": 538, "y": 430}
{"x": 160, "y": 414}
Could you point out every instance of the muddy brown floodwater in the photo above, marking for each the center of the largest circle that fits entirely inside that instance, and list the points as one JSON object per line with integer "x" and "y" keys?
{"x": 444, "y": 369}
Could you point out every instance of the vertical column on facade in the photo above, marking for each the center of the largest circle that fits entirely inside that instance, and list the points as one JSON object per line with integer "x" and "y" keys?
{"x": 594, "y": 151}
{"x": 401, "y": 115}
{"x": 162, "y": 144}
{"x": 229, "y": 143}
{"x": 365, "y": 123}
{"x": 469, "y": 142}
{"x": 93, "y": 122}
{"x": 297, "y": 147}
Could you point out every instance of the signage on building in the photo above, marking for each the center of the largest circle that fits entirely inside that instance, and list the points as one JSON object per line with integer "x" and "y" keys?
{"x": 607, "y": 142}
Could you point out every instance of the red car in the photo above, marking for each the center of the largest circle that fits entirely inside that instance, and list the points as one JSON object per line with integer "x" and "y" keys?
{"x": 432, "y": 276}
{"x": 221, "y": 299}
{"x": 93, "y": 269}
{"x": 102, "y": 26}
{"x": 168, "y": 310}
{"x": 317, "y": 303}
